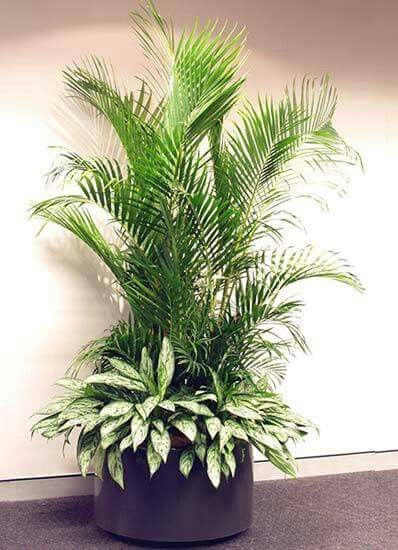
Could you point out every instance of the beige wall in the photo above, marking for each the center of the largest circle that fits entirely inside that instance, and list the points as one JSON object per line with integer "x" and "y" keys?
{"x": 53, "y": 301}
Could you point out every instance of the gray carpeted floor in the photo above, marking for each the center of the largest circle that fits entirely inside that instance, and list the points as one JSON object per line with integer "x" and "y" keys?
{"x": 355, "y": 511}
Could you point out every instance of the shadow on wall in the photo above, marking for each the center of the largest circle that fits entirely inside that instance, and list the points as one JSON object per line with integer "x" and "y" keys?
{"x": 358, "y": 38}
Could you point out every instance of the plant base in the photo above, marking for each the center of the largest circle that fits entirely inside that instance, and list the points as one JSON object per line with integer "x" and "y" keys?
{"x": 170, "y": 508}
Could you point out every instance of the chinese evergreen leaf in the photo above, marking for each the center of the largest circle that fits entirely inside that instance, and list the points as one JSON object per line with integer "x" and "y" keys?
{"x": 98, "y": 463}
{"x": 117, "y": 408}
{"x": 161, "y": 443}
{"x": 87, "y": 445}
{"x": 213, "y": 461}
{"x": 186, "y": 426}
{"x": 165, "y": 367}
{"x": 125, "y": 369}
{"x": 116, "y": 381}
{"x": 126, "y": 442}
{"x": 147, "y": 406}
{"x": 153, "y": 458}
{"x": 115, "y": 465}
{"x": 213, "y": 425}
{"x": 187, "y": 460}
{"x": 139, "y": 430}
{"x": 196, "y": 408}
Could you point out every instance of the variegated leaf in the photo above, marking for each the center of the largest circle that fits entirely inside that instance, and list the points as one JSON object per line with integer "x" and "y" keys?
{"x": 265, "y": 439}
{"x": 161, "y": 443}
{"x": 126, "y": 442}
{"x": 98, "y": 463}
{"x": 146, "y": 370}
{"x": 158, "y": 424}
{"x": 55, "y": 407}
{"x": 147, "y": 406}
{"x": 231, "y": 461}
{"x": 115, "y": 465}
{"x": 167, "y": 405}
{"x": 153, "y": 458}
{"x": 200, "y": 450}
{"x": 79, "y": 407}
{"x": 114, "y": 436}
{"x": 224, "y": 435}
{"x": 242, "y": 411}
{"x": 286, "y": 465}
{"x": 45, "y": 423}
{"x": 86, "y": 447}
{"x": 213, "y": 461}
{"x": 186, "y": 426}
{"x": 113, "y": 423}
{"x": 125, "y": 369}
{"x": 117, "y": 408}
{"x": 116, "y": 381}
{"x": 165, "y": 366}
{"x": 213, "y": 425}
{"x": 187, "y": 460}
{"x": 93, "y": 422}
{"x": 72, "y": 384}
{"x": 236, "y": 430}
{"x": 196, "y": 408}
{"x": 139, "y": 430}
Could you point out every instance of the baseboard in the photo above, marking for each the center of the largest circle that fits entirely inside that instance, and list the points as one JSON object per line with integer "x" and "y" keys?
{"x": 75, "y": 485}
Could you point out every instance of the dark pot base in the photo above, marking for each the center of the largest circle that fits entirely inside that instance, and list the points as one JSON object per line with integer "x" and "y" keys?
{"x": 171, "y": 509}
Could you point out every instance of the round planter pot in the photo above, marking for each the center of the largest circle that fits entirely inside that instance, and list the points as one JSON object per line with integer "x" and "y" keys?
{"x": 170, "y": 508}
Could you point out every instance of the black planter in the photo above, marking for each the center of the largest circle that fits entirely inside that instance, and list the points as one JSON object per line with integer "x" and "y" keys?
{"x": 170, "y": 508}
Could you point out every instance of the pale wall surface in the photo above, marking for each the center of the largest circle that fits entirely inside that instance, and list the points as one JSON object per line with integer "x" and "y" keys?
{"x": 53, "y": 301}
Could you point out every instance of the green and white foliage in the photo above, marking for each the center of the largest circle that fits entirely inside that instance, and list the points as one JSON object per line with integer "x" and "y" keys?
{"x": 197, "y": 209}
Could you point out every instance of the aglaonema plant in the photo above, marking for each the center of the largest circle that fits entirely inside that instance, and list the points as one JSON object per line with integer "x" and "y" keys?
{"x": 198, "y": 201}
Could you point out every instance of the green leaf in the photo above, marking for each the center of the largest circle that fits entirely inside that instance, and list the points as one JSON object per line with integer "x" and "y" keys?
{"x": 72, "y": 384}
{"x": 117, "y": 408}
{"x": 116, "y": 381}
{"x": 146, "y": 369}
{"x": 225, "y": 435}
{"x": 112, "y": 437}
{"x": 49, "y": 422}
{"x": 125, "y": 369}
{"x": 231, "y": 461}
{"x": 153, "y": 458}
{"x": 193, "y": 406}
{"x": 268, "y": 440}
{"x": 213, "y": 461}
{"x": 282, "y": 463}
{"x": 93, "y": 422}
{"x": 139, "y": 430}
{"x": 158, "y": 424}
{"x": 200, "y": 450}
{"x": 99, "y": 459}
{"x": 55, "y": 407}
{"x": 161, "y": 443}
{"x": 115, "y": 465}
{"x": 236, "y": 430}
{"x": 187, "y": 460}
{"x": 167, "y": 405}
{"x": 165, "y": 367}
{"x": 112, "y": 424}
{"x": 242, "y": 411}
{"x": 86, "y": 447}
{"x": 147, "y": 406}
{"x": 126, "y": 442}
{"x": 79, "y": 407}
{"x": 186, "y": 426}
{"x": 213, "y": 425}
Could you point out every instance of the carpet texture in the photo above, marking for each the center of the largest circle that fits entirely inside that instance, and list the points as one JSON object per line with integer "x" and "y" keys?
{"x": 353, "y": 511}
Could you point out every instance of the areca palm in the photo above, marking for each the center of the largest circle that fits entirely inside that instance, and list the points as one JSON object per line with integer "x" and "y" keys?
{"x": 199, "y": 203}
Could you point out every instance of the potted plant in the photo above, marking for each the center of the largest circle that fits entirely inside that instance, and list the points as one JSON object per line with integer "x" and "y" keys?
{"x": 179, "y": 393}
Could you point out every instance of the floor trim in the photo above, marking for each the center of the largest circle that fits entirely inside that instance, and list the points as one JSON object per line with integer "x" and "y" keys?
{"x": 75, "y": 485}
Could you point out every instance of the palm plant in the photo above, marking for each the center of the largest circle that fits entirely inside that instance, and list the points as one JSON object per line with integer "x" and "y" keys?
{"x": 198, "y": 203}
